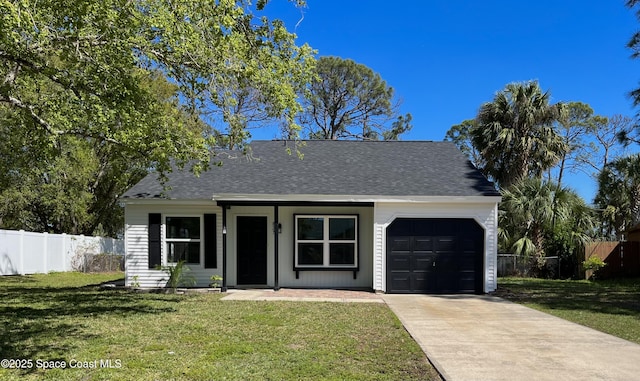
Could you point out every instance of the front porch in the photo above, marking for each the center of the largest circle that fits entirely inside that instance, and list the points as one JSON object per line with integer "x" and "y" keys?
{"x": 262, "y": 248}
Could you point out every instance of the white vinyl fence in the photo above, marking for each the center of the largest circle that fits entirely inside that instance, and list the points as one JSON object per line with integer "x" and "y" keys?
{"x": 24, "y": 252}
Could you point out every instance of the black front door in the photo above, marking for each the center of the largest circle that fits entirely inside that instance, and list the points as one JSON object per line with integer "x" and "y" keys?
{"x": 252, "y": 250}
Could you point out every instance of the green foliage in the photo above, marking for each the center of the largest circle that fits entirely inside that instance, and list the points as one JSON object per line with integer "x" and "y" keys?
{"x": 533, "y": 210}
{"x": 619, "y": 195}
{"x": 216, "y": 281}
{"x": 591, "y": 140}
{"x": 72, "y": 186}
{"x": 634, "y": 45}
{"x": 460, "y": 135}
{"x": 593, "y": 263}
{"x": 574, "y": 122}
{"x": 515, "y": 136}
{"x": 514, "y": 140}
{"x": 347, "y": 100}
{"x": 178, "y": 275}
{"x": 95, "y": 94}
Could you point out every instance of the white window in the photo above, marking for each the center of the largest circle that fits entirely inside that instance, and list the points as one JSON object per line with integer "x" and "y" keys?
{"x": 182, "y": 239}
{"x": 326, "y": 241}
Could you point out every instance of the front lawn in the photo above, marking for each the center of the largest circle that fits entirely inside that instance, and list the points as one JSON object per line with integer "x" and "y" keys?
{"x": 65, "y": 318}
{"x": 611, "y": 306}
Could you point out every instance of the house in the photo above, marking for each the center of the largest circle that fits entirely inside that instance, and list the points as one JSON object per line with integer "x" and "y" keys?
{"x": 392, "y": 216}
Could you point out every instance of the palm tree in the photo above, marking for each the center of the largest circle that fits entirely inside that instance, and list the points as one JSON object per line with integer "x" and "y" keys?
{"x": 619, "y": 195}
{"x": 515, "y": 136}
{"x": 532, "y": 209}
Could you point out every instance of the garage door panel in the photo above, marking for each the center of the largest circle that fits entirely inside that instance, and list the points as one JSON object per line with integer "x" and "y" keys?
{"x": 446, "y": 285}
{"x": 435, "y": 256}
{"x": 447, "y": 265}
{"x": 422, "y": 283}
{"x": 401, "y": 282}
{"x": 401, "y": 244}
{"x": 422, "y": 244}
{"x": 467, "y": 265}
{"x": 445, "y": 244}
{"x": 422, "y": 262}
{"x": 467, "y": 283}
{"x": 469, "y": 245}
{"x": 401, "y": 262}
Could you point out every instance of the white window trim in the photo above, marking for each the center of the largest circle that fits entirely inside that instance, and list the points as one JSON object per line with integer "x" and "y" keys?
{"x": 326, "y": 242}
{"x": 166, "y": 241}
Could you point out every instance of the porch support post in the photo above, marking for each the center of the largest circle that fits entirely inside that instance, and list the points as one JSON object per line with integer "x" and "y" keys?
{"x": 276, "y": 233}
{"x": 224, "y": 248}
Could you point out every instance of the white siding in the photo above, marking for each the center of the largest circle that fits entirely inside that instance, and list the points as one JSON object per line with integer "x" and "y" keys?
{"x": 286, "y": 274}
{"x": 137, "y": 248}
{"x": 326, "y": 278}
{"x": 136, "y": 236}
{"x": 372, "y": 241}
{"x": 485, "y": 215}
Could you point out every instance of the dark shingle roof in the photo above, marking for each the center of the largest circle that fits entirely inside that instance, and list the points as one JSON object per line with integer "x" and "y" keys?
{"x": 356, "y": 168}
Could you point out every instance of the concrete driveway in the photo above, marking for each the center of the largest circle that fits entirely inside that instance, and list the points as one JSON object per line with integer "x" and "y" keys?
{"x": 469, "y": 337}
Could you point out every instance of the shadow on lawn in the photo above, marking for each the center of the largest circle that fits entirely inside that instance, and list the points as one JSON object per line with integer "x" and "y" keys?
{"x": 40, "y": 322}
{"x": 620, "y": 297}
{"x": 20, "y": 279}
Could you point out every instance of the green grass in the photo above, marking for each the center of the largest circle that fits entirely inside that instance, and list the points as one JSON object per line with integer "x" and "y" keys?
{"x": 66, "y": 316}
{"x": 611, "y": 306}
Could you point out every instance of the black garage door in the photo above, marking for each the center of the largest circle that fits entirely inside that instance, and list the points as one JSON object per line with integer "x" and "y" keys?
{"x": 435, "y": 256}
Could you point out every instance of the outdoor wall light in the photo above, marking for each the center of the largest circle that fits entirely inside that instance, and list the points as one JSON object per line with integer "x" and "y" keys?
{"x": 224, "y": 230}
{"x": 277, "y": 227}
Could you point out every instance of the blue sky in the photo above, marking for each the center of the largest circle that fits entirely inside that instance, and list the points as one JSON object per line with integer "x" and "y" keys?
{"x": 445, "y": 58}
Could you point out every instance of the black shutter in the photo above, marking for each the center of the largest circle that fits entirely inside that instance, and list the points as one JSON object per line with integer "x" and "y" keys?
{"x": 155, "y": 224}
{"x": 210, "y": 242}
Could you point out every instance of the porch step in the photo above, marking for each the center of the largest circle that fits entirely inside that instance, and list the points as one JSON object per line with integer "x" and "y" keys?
{"x": 244, "y": 295}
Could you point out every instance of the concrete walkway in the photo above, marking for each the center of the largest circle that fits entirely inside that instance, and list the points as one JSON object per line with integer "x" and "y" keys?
{"x": 470, "y": 337}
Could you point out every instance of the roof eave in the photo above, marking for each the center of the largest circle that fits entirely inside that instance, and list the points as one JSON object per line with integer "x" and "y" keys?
{"x": 357, "y": 198}
{"x": 158, "y": 200}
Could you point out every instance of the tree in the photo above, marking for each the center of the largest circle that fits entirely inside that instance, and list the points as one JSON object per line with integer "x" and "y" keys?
{"x": 591, "y": 140}
{"x": 618, "y": 196}
{"x": 609, "y": 139}
{"x": 634, "y": 45}
{"x": 93, "y": 58}
{"x": 94, "y": 94}
{"x": 515, "y": 136}
{"x": 531, "y": 212}
{"x": 348, "y": 100}
{"x": 574, "y": 121}
{"x": 460, "y": 135}
{"x": 73, "y": 186}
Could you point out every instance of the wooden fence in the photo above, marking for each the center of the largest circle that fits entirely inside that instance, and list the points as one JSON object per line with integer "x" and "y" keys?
{"x": 622, "y": 258}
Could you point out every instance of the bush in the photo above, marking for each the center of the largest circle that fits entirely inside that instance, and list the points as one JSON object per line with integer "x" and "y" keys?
{"x": 593, "y": 264}
{"x": 178, "y": 275}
